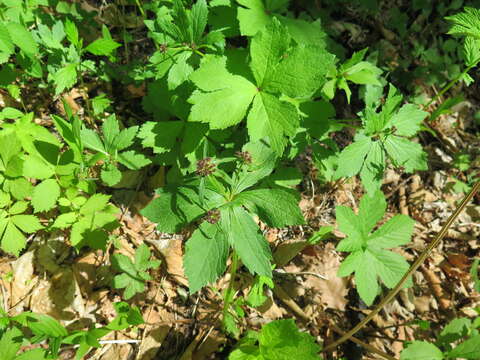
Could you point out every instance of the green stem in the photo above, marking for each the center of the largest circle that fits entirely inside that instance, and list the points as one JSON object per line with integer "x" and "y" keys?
{"x": 228, "y": 295}
{"x": 451, "y": 83}
{"x": 140, "y": 7}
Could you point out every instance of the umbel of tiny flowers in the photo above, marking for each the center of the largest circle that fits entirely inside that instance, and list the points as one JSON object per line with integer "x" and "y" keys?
{"x": 205, "y": 167}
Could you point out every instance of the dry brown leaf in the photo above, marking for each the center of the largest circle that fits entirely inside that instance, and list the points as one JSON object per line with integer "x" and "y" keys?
{"x": 23, "y": 279}
{"x": 174, "y": 259}
{"x": 331, "y": 292}
{"x": 209, "y": 345}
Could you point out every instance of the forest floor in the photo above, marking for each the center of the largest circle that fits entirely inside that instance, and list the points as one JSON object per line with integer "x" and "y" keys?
{"x": 51, "y": 278}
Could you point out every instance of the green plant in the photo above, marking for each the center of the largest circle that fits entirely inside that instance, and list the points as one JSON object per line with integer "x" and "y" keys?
{"x": 109, "y": 148}
{"x": 179, "y": 35}
{"x": 279, "y": 339}
{"x": 384, "y": 135}
{"x": 355, "y": 70}
{"x": 459, "y": 339}
{"x": 279, "y": 68}
{"x": 133, "y": 275}
{"x": 53, "y": 47}
{"x": 30, "y": 329}
{"x": 222, "y": 207}
{"x": 369, "y": 258}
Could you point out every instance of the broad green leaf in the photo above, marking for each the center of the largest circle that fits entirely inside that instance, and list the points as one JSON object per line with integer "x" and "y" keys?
{"x": 421, "y": 350}
{"x": 272, "y": 118}
{"x": 133, "y": 276}
{"x": 142, "y": 258}
{"x": 282, "y": 340}
{"x": 301, "y": 72}
{"x": 65, "y": 220}
{"x": 110, "y": 175}
{"x": 133, "y": 160}
{"x": 125, "y": 138}
{"x": 41, "y": 324}
{"x": 45, "y": 195}
{"x": 65, "y": 78}
{"x": 373, "y": 168}
{"x": 173, "y": 209}
{"x": 95, "y": 203}
{"x": 13, "y": 241}
{"x": 10, "y": 343}
{"x": 71, "y": 31}
{"x": 27, "y": 223}
{"x": 130, "y": 282}
{"x": 366, "y": 278}
{"x": 304, "y": 32}
{"x": 222, "y": 91}
{"x": 92, "y": 141}
{"x": 35, "y": 354}
{"x": 466, "y": 23}
{"x": 371, "y": 210}
{"x": 252, "y": 17}
{"x": 266, "y": 50}
{"x": 10, "y": 146}
{"x": 110, "y": 130}
{"x": 351, "y": 158}
{"x": 471, "y": 51}
{"x": 352, "y": 226}
{"x": 395, "y": 232}
{"x": 180, "y": 70}
{"x": 351, "y": 263}
{"x": 35, "y": 167}
{"x": 6, "y": 44}
{"x": 102, "y": 47}
{"x": 389, "y": 266}
{"x": 160, "y": 136}
{"x": 22, "y": 38}
{"x": 408, "y": 120}
{"x": 276, "y": 207}
{"x": 198, "y": 19}
{"x": 406, "y": 153}
{"x": 245, "y": 237}
{"x": 206, "y": 254}
{"x": 454, "y": 330}
{"x": 18, "y": 208}
{"x": 469, "y": 349}
{"x": 368, "y": 259}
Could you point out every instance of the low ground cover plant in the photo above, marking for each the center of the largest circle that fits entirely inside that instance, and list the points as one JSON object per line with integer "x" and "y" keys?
{"x": 233, "y": 95}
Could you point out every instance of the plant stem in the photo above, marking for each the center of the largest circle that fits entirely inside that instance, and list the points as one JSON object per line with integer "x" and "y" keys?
{"x": 450, "y": 84}
{"x": 423, "y": 256}
{"x": 228, "y": 296}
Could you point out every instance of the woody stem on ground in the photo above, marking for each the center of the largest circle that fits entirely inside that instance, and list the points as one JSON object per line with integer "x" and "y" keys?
{"x": 423, "y": 256}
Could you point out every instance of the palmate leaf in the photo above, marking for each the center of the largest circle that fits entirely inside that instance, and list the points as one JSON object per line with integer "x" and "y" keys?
{"x": 384, "y": 135}
{"x": 133, "y": 275}
{"x": 221, "y": 90}
{"x": 369, "y": 260}
{"x": 278, "y": 68}
{"x": 465, "y": 23}
{"x": 12, "y": 229}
